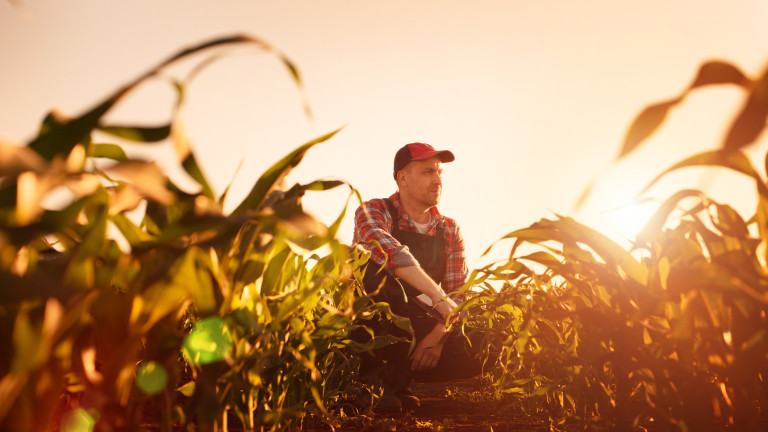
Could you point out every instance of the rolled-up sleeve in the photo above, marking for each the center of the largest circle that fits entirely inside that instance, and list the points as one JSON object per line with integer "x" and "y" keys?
{"x": 373, "y": 226}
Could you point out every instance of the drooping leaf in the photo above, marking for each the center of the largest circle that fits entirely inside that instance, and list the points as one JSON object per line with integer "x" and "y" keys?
{"x": 60, "y": 135}
{"x": 750, "y": 122}
{"x": 645, "y": 124}
{"x": 734, "y": 160}
{"x": 710, "y": 73}
{"x": 719, "y": 72}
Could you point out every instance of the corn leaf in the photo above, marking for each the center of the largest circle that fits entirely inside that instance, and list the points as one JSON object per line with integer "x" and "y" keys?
{"x": 109, "y": 151}
{"x": 710, "y": 73}
{"x": 138, "y": 133}
{"x": 271, "y": 177}
{"x": 750, "y": 122}
{"x": 735, "y": 160}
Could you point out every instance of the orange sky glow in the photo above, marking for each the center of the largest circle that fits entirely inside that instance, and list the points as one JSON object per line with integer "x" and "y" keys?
{"x": 533, "y": 97}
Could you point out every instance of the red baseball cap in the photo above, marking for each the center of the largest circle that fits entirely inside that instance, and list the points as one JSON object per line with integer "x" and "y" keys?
{"x": 419, "y": 151}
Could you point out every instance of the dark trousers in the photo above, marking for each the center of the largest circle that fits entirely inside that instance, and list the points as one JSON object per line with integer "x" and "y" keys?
{"x": 390, "y": 366}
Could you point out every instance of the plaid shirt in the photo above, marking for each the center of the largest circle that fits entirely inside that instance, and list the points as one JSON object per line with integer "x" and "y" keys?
{"x": 374, "y": 223}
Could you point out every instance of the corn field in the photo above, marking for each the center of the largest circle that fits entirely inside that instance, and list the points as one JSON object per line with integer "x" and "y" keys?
{"x": 138, "y": 303}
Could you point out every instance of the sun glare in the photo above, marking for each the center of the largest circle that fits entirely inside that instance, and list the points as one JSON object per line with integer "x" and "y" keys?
{"x": 624, "y": 223}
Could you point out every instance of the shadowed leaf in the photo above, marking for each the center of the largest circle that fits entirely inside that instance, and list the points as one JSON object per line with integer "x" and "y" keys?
{"x": 750, "y": 122}
{"x": 138, "y": 133}
{"x": 719, "y": 72}
{"x": 645, "y": 124}
{"x": 60, "y": 135}
{"x": 710, "y": 73}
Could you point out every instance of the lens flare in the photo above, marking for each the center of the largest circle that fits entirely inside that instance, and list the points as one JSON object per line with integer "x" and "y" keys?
{"x": 78, "y": 420}
{"x": 151, "y": 378}
{"x": 209, "y": 341}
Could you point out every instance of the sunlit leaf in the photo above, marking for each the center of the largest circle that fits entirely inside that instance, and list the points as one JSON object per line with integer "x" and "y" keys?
{"x": 659, "y": 218}
{"x": 734, "y": 160}
{"x": 274, "y": 174}
{"x": 147, "y": 178}
{"x": 187, "y": 389}
{"x": 109, "y": 151}
{"x": 16, "y": 159}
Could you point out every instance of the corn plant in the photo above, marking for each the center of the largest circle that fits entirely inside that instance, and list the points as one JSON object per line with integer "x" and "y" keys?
{"x": 180, "y": 315}
{"x": 669, "y": 336}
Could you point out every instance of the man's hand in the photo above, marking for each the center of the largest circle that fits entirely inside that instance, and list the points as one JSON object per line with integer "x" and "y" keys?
{"x": 428, "y": 351}
{"x": 444, "y": 307}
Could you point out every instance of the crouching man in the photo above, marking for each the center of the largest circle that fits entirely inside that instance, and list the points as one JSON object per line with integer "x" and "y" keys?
{"x": 419, "y": 259}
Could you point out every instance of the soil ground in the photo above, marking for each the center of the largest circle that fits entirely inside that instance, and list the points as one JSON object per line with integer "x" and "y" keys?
{"x": 461, "y": 406}
{"x": 456, "y": 406}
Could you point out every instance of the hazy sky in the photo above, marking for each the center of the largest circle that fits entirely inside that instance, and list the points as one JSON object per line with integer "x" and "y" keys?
{"x": 533, "y": 97}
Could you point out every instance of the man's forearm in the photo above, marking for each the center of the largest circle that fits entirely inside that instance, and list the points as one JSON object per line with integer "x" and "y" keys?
{"x": 419, "y": 279}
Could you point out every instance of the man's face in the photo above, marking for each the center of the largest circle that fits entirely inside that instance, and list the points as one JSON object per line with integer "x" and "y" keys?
{"x": 422, "y": 181}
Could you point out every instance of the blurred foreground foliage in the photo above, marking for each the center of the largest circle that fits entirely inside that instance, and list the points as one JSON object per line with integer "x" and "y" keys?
{"x": 671, "y": 335}
{"x": 136, "y": 301}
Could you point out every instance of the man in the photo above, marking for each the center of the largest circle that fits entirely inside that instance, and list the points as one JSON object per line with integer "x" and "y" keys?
{"x": 415, "y": 252}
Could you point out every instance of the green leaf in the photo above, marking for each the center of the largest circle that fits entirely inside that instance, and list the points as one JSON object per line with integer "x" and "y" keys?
{"x": 109, "y": 151}
{"x": 130, "y": 231}
{"x": 193, "y": 169}
{"x": 274, "y": 174}
{"x": 187, "y": 389}
{"x": 59, "y": 135}
{"x": 80, "y": 271}
{"x": 138, "y": 133}
{"x": 273, "y": 275}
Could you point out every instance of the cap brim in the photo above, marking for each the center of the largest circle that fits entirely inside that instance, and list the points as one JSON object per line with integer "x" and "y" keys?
{"x": 444, "y": 155}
